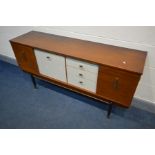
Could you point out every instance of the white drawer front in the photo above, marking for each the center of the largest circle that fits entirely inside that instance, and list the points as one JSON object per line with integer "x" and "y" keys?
{"x": 51, "y": 65}
{"x": 77, "y": 73}
{"x": 82, "y": 65}
{"x": 82, "y": 83}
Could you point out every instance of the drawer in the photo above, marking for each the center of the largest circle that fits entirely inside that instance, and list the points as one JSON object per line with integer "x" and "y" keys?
{"x": 48, "y": 56}
{"x": 82, "y": 83}
{"x": 71, "y": 71}
{"x": 93, "y": 68}
{"x": 117, "y": 85}
{"x": 51, "y": 65}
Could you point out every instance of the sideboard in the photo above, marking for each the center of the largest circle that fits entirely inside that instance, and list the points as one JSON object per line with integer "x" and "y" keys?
{"x": 103, "y": 72}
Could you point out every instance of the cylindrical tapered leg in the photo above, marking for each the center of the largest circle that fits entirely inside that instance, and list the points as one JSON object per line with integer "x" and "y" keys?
{"x": 109, "y": 110}
{"x": 34, "y": 81}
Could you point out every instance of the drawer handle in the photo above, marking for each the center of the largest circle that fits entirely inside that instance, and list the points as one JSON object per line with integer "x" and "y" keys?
{"x": 80, "y": 82}
{"x": 81, "y": 75}
{"x": 116, "y": 83}
{"x": 48, "y": 58}
{"x": 81, "y": 66}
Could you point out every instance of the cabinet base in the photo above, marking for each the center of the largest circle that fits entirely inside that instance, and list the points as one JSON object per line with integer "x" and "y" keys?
{"x": 109, "y": 106}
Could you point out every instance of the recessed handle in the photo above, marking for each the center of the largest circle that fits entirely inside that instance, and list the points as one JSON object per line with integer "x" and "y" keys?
{"x": 81, "y": 82}
{"x": 81, "y": 75}
{"x": 116, "y": 83}
{"x": 80, "y": 66}
{"x": 49, "y": 58}
{"x": 23, "y": 56}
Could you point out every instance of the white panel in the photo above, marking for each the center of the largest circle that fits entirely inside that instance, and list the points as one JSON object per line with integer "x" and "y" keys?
{"x": 85, "y": 77}
{"x": 82, "y": 83}
{"x": 51, "y": 65}
{"x": 82, "y": 65}
{"x": 71, "y": 71}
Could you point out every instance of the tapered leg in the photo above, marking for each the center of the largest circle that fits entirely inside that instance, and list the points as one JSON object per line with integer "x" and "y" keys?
{"x": 34, "y": 81}
{"x": 109, "y": 110}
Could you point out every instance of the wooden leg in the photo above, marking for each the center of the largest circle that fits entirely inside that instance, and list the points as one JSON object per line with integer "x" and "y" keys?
{"x": 109, "y": 110}
{"x": 34, "y": 81}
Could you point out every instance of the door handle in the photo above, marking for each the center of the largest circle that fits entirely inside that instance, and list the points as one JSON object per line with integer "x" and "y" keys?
{"x": 116, "y": 84}
{"x": 23, "y": 56}
{"x": 80, "y": 66}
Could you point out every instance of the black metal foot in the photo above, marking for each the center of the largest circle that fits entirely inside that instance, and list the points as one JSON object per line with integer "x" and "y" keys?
{"x": 109, "y": 110}
{"x": 34, "y": 81}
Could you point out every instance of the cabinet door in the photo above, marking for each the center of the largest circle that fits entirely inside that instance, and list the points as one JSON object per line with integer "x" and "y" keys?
{"x": 116, "y": 85}
{"x": 25, "y": 57}
{"x": 51, "y": 65}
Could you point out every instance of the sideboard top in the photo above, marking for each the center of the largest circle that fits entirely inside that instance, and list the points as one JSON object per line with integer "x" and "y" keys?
{"x": 118, "y": 57}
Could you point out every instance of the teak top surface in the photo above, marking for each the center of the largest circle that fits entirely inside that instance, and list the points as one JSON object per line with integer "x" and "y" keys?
{"x": 90, "y": 51}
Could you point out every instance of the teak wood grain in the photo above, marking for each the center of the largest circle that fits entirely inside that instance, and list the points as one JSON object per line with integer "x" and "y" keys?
{"x": 25, "y": 57}
{"x": 117, "y": 57}
{"x": 116, "y": 85}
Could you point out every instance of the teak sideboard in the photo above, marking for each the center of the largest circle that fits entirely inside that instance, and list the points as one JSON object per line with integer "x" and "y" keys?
{"x": 103, "y": 72}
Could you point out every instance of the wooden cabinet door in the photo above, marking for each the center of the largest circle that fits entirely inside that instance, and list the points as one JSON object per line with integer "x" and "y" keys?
{"x": 25, "y": 57}
{"x": 116, "y": 85}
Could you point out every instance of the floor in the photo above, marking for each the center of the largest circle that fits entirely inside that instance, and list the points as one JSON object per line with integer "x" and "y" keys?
{"x": 52, "y": 107}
